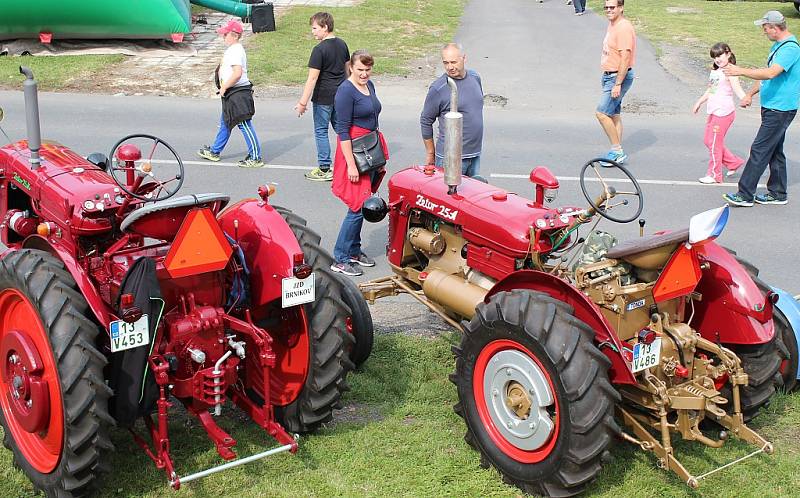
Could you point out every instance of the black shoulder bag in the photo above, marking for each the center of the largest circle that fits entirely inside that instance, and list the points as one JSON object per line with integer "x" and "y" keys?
{"x": 367, "y": 149}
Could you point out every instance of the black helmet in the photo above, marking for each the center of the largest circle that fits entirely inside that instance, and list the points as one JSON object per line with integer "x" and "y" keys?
{"x": 374, "y": 209}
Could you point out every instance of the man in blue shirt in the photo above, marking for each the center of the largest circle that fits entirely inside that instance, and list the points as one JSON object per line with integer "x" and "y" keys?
{"x": 470, "y": 105}
{"x": 780, "y": 93}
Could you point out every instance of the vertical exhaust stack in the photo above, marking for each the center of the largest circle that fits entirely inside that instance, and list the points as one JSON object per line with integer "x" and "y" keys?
{"x": 31, "y": 90}
{"x": 453, "y": 141}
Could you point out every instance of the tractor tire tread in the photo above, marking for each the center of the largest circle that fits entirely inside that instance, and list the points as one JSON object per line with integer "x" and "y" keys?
{"x": 53, "y": 292}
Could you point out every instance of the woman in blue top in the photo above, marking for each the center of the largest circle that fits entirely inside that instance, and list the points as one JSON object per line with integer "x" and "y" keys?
{"x": 357, "y": 109}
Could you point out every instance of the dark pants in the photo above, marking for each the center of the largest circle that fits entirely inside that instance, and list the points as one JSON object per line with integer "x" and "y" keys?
{"x": 580, "y": 5}
{"x": 767, "y": 149}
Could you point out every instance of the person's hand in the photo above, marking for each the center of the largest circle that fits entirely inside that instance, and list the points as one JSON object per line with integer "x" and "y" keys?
{"x": 732, "y": 70}
{"x": 746, "y": 101}
{"x": 222, "y": 91}
{"x": 300, "y": 108}
{"x": 696, "y": 108}
{"x": 352, "y": 173}
{"x": 616, "y": 91}
{"x": 430, "y": 159}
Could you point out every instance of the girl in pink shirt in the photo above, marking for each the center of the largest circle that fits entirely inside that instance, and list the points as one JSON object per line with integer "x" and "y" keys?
{"x": 721, "y": 113}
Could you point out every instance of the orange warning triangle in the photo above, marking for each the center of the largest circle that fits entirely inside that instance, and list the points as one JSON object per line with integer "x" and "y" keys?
{"x": 679, "y": 277}
{"x": 200, "y": 246}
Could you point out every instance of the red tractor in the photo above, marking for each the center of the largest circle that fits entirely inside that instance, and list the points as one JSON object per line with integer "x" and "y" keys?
{"x": 561, "y": 333}
{"x": 117, "y": 298}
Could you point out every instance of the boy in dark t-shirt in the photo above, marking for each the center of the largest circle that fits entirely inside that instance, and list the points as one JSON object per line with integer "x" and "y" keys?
{"x": 326, "y": 70}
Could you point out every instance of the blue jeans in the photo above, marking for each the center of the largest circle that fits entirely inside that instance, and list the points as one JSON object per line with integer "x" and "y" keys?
{"x": 580, "y": 5}
{"x": 612, "y": 106}
{"x": 470, "y": 166}
{"x": 324, "y": 116}
{"x": 249, "y": 133}
{"x": 348, "y": 243}
{"x": 767, "y": 149}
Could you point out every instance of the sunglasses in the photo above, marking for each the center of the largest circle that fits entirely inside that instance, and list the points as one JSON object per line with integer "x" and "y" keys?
{"x": 610, "y": 7}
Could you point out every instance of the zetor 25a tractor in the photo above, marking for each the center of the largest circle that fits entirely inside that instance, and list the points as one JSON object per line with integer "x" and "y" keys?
{"x": 117, "y": 298}
{"x": 668, "y": 331}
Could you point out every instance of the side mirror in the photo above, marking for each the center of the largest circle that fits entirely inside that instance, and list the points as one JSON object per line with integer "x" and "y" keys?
{"x": 98, "y": 159}
{"x": 546, "y": 185}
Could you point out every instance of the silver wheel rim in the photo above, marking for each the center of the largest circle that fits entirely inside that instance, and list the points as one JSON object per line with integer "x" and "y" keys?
{"x": 512, "y": 380}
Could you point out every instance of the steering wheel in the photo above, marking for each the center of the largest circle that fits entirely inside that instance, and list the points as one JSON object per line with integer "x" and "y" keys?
{"x": 602, "y": 204}
{"x": 140, "y": 188}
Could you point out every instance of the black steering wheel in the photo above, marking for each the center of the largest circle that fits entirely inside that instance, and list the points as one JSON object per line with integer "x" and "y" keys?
{"x": 142, "y": 189}
{"x": 602, "y": 203}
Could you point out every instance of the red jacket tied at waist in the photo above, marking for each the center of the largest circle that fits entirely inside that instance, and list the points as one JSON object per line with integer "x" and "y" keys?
{"x": 354, "y": 194}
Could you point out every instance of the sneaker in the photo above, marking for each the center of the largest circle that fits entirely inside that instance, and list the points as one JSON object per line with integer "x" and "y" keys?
{"x": 363, "y": 260}
{"x": 318, "y": 175}
{"x": 569, "y": 2}
{"x": 735, "y": 199}
{"x": 251, "y": 163}
{"x": 618, "y": 156}
{"x": 347, "y": 269}
{"x": 207, "y": 153}
{"x": 707, "y": 179}
{"x": 580, "y": 13}
{"x": 731, "y": 172}
{"x": 769, "y": 199}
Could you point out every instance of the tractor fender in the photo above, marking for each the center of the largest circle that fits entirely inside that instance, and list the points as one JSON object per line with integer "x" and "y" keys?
{"x": 585, "y": 310}
{"x": 732, "y": 309}
{"x": 268, "y": 243}
{"x": 790, "y": 308}
{"x": 85, "y": 285}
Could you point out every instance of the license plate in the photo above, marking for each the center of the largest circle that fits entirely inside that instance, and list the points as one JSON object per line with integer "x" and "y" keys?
{"x": 297, "y": 291}
{"x": 126, "y": 335}
{"x": 646, "y": 355}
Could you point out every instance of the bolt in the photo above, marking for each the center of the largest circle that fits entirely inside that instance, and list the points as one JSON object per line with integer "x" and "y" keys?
{"x": 15, "y": 394}
{"x": 495, "y": 392}
{"x": 510, "y": 424}
{"x": 508, "y": 372}
{"x": 14, "y": 359}
{"x": 29, "y": 403}
{"x": 531, "y": 426}
{"x": 531, "y": 391}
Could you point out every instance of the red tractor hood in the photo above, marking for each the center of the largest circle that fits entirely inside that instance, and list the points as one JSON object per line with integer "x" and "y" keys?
{"x": 487, "y": 214}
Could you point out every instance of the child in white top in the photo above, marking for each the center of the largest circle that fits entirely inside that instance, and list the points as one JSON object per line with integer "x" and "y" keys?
{"x": 721, "y": 111}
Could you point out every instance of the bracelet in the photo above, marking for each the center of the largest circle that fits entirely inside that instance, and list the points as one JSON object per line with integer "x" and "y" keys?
{"x": 618, "y": 84}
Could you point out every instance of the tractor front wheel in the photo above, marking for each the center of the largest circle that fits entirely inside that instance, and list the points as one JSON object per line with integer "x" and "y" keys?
{"x": 53, "y": 397}
{"x": 534, "y": 393}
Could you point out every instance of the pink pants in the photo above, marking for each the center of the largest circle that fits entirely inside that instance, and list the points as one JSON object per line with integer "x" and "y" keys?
{"x": 716, "y": 129}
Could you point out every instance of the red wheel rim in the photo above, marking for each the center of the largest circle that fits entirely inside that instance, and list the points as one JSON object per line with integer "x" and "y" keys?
{"x": 293, "y": 355}
{"x": 484, "y": 411}
{"x": 42, "y": 448}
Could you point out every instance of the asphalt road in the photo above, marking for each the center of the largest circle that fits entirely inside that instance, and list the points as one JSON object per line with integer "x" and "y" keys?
{"x": 541, "y": 66}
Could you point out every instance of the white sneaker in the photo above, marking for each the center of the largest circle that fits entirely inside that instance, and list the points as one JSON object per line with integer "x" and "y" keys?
{"x": 707, "y": 180}
{"x": 731, "y": 172}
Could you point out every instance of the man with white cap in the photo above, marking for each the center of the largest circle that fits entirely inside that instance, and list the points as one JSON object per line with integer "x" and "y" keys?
{"x": 779, "y": 85}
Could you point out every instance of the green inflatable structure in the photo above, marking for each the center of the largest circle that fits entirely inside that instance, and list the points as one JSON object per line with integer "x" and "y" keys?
{"x": 131, "y": 19}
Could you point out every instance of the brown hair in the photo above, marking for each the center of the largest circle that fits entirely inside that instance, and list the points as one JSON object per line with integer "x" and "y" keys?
{"x": 323, "y": 19}
{"x": 721, "y": 48}
{"x": 363, "y": 57}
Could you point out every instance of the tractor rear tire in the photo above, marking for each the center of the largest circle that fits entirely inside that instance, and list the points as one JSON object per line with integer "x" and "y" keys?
{"x": 360, "y": 320}
{"x": 40, "y": 301}
{"x": 329, "y": 340}
{"x": 526, "y": 349}
{"x": 788, "y": 369}
{"x": 761, "y": 362}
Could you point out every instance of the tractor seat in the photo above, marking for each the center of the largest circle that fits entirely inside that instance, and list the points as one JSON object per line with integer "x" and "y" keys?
{"x": 651, "y": 252}
{"x": 161, "y": 220}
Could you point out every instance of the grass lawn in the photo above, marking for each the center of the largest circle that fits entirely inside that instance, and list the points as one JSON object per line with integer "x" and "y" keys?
{"x": 394, "y": 31}
{"x": 398, "y": 436}
{"x": 53, "y": 73}
{"x": 698, "y": 24}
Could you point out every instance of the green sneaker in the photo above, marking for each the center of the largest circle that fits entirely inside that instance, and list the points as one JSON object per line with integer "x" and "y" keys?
{"x": 318, "y": 175}
{"x": 206, "y": 153}
{"x": 251, "y": 163}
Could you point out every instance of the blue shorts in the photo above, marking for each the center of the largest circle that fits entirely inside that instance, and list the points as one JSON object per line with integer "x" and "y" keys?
{"x": 610, "y": 106}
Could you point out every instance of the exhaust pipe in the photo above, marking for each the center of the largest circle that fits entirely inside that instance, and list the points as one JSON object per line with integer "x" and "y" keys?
{"x": 453, "y": 141}
{"x": 31, "y": 91}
